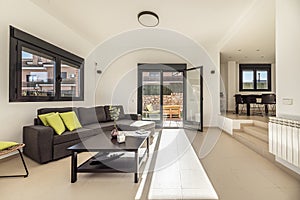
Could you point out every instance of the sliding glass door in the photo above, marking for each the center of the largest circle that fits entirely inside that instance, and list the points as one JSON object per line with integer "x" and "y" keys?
{"x": 160, "y": 93}
{"x": 170, "y": 95}
{"x": 151, "y": 95}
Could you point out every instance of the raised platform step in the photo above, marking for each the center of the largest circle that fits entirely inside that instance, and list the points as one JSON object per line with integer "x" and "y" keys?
{"x": 260, "y": 124}
{"x": 257, "y": 145}
{"x": 255, "y": 131}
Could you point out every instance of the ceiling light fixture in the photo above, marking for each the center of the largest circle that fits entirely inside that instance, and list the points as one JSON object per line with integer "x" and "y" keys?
{"x": 148, "y": 18}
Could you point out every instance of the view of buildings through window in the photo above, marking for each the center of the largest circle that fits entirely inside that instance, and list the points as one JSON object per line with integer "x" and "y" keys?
{"x": 38, "y": 79}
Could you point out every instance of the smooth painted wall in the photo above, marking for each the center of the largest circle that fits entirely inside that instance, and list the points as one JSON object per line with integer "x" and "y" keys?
{"x": 118, "y": 84}
{"x": 288, "y": 57}
{"x": 28, "y": 17}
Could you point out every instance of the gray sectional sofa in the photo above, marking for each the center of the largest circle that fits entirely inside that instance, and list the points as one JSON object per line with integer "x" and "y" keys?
{"x": 42, "y": 144}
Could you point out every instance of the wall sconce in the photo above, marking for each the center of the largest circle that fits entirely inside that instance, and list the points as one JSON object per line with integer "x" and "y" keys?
{"x": 98, "y": 70}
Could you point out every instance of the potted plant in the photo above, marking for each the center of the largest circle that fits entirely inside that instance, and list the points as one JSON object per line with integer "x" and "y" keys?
{"x": 114, "y": 115}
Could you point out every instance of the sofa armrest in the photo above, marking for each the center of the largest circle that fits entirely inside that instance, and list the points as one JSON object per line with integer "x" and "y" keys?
{"x": 133, "y": 116}
{"x": 38, "y": 142}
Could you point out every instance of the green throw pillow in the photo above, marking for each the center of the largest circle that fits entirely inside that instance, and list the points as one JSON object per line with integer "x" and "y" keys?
{"x": 5, "y": 145}
{"x": 56, "y": 123}
{"x": 70, "y": 120}
{"x": 43, "y": 118}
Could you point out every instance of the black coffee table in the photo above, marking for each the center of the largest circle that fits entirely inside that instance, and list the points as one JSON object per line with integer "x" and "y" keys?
{"x": 111, "y": 156}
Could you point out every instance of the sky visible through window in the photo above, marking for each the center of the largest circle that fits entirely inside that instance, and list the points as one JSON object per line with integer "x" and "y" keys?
{"x": 261, "y": 75}
{"x": 26, "y": 55}
{"x": 248, "y": 76}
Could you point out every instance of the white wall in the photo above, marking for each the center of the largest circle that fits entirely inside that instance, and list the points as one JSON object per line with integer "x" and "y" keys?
{"x": 232, "y": 84}
{"x": 118, "y": 84}
{"x": 122, "y": 44}
{"x": 288, "y": 56}
{"x": 30, "y": 18}
{"x": 223, "y": 87}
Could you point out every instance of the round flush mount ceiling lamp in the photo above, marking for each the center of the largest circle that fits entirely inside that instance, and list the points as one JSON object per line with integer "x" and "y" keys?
{"x": 148, "y": 18}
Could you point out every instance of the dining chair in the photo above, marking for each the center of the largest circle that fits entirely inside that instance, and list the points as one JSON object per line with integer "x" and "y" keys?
{"x": 251, "y": 99}
{"x": 270, "y": 101}
{"x": 239, "y": 101}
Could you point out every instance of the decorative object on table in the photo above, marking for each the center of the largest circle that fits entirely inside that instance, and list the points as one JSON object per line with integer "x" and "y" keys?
{"x": 114, "y": 115}
{"x": 121, "y": 138}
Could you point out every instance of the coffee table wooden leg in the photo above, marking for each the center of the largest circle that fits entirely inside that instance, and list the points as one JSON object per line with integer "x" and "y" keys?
{"x": 136, "y": 174}
{"x": 74, "y": 167}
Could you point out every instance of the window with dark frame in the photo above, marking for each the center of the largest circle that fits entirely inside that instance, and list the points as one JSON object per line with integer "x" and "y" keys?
{"x": 40, "y": 71}
{"x": 255, "y": 77}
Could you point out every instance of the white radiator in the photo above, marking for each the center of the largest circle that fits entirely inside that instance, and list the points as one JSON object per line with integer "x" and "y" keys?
{"x": 284, "y": 139}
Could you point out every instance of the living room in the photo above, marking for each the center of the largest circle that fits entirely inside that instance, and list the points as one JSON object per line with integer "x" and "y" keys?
{"x": 112, "y": 42}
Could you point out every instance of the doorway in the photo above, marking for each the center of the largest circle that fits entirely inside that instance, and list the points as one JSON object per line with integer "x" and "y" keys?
{"x": 170, "y": 95}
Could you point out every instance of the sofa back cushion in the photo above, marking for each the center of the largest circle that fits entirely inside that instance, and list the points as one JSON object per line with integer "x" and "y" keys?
{"x": 87, "y": 115}
{"x": 54, "y": 110}
{"x": 101, "y": 114}
{"x": 107, "y": 113}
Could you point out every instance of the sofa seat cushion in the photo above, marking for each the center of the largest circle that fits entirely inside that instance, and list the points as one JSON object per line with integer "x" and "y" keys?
{"x": 129, "y": 125}
{"x": 126, "y": 122}
{"x": 87, "y": 115}
{"x": 107, "y": 126}
{"x": 93, "y": 126}
{"x": 74, "y": 135}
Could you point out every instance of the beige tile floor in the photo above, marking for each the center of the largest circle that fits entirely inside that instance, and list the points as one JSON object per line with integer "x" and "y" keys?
{"x": 239, "y": 173}
{"x": 236, "y": 172}
{"x": 172, "y": 124}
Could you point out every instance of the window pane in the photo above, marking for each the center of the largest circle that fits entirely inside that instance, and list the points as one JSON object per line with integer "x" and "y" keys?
{"x": 248, "y": 80}
{"x": 70, "y": 84}
{"x": 151, "y": 95}
{"x": 262, "y": 79}
{"x": 37, "y": 73}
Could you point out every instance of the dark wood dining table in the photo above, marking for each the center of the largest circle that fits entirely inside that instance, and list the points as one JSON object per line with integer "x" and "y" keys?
{"x": 246, "y": 98}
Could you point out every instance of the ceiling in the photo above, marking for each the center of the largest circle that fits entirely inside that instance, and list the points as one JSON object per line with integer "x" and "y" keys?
{"x": 243, "y": 30}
